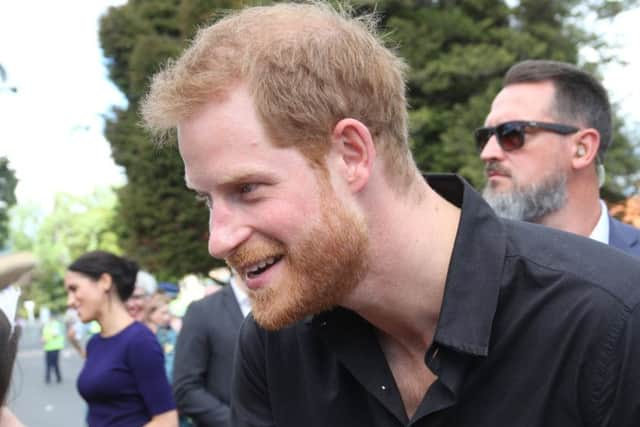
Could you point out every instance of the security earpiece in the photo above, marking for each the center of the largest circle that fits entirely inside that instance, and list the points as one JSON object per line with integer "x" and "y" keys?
{"x": 601, "y": 174}
{"x": 580, "y": 151}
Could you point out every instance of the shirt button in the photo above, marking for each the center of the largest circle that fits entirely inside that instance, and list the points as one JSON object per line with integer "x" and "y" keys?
{"x": 383, "y": 387}
{"x": 323, "y": 324}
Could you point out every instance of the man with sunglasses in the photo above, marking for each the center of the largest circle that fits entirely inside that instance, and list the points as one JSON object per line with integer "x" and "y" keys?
{"x": 543, "y": 145}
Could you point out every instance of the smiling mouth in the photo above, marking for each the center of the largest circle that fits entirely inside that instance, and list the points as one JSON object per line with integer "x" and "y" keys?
{"x": 255, "y": 270}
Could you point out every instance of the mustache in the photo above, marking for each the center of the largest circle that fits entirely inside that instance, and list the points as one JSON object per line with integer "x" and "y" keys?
{"x": 252, "y": 253}
{"x": 496, "y": 167}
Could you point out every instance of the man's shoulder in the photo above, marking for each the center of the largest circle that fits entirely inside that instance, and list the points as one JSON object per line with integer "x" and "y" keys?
{"x": 624, "y": 236}
{"x": 581, "y": 259}
{"x": 627, "y": 228}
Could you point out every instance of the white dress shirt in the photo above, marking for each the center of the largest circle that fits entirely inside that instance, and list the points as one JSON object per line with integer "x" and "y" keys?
{"x": 241, "y": 297}
{"x": 601, "y": 230}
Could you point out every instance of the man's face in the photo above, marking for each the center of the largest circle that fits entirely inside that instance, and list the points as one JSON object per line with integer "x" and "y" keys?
{"x": 275, "y": 220}
{"x": 530, "y": 182}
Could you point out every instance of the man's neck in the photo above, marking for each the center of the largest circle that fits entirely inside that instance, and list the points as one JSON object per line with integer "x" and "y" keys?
{"x": 411, "y": 247}
{"x": 579, "y": 216}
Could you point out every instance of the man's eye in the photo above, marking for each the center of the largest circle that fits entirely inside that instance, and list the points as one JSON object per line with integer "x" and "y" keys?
{"x": 247, "y": 188}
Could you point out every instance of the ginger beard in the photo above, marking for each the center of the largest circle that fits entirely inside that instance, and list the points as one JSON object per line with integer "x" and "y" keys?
{"x": 319, "y": 271}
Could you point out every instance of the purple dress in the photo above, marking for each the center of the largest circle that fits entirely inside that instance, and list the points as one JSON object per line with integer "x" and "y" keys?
{"x": 123, "y": 379}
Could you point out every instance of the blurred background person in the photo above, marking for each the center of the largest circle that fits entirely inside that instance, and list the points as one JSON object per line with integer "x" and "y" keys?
{"x": 204, "y": 354}
{"x": 14, "y": 271}
{"x": 76, "y": 330}
{"x": 123, "y": 379}
{"x": 158, "y": 319}
{"x": 8, "y": 350}
{"x": 146, "y": 285}
{"x": 52, "y": 337}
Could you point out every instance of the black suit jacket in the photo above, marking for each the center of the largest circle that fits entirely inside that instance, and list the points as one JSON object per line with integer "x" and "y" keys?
{"x": 204, "y": 358}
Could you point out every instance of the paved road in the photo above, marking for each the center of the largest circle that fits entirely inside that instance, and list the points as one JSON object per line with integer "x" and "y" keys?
{"x": 37, "y": 404}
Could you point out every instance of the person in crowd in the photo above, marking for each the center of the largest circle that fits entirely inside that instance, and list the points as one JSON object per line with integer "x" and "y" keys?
{"x": 204, "y": 354}
{"x": 15, "y": 270}
{"x": 123, "y": 379}
{"x": 381, "y": 297}
{"x": 76, "y": 331}
{"x": 53, "y": 333}
{"x": 158, "y": 319}
{"x": 544, "y": 144}
{"x": 146, "y": 285}
{"x": 9, "y": 336}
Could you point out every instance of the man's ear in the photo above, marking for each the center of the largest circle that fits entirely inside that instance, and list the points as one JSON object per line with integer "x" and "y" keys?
{"x": 352, "y": 143}
{"x": 585, "y": 148}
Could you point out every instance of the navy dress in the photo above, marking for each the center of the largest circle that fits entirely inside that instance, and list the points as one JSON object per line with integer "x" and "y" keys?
{"x": 123, "y": 379}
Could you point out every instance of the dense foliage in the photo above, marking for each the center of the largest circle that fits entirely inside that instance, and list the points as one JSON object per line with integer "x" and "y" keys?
{"x": 458, "y": 51}
{"x": 76, "y": 224}
{"x": 8, "y": 184}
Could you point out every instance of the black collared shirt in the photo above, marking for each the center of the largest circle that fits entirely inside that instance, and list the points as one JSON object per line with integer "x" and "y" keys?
{"x": 538, "y": 328}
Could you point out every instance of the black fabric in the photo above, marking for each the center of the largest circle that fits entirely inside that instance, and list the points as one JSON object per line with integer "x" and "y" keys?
{"x": 538, "y": 328}
{"x": 204, "y": 358}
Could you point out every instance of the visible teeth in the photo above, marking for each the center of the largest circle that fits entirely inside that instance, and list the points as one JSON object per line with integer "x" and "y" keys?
{"x": 261, "y": 265}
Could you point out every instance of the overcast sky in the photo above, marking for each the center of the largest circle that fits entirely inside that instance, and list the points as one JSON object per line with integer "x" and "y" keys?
{"x": 52, "y": 128}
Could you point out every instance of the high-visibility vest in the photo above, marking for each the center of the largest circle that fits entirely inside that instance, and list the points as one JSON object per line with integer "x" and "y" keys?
{"x": 53, "y": 335}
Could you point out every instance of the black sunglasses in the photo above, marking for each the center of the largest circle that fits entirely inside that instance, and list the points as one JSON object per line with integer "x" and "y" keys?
{"x": 510, "y": 135}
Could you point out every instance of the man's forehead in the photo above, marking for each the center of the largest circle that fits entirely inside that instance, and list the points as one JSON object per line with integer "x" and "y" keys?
{"x": 522, "y": 101}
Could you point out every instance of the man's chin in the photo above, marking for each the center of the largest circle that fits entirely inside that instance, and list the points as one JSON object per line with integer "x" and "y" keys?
{"x": 274, "y": 312}
{"x": 274, "y": 320}
{"x": 499, "y": 183}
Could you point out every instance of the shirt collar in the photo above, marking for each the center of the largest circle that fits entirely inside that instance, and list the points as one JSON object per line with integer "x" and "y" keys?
{"x": 473, "y": 281}
{"x": 241, "y": 297}
{"x": 601, "y": 230}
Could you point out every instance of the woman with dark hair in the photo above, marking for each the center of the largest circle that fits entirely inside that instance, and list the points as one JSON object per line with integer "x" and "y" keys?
{"x": 123, "y": 379}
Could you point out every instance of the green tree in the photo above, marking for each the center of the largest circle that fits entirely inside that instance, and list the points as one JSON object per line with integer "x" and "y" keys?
{"x": 76, "y": 225}
{"x": 161, "y": 223}
{"x": 8, "y": 184}
{"x": 458, "y": 51}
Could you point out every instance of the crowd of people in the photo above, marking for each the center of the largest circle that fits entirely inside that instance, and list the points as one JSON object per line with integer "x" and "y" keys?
{"x": 364, "y": 292}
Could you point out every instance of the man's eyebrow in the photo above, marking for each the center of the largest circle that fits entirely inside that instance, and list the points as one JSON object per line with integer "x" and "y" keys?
{"x": 240, "y": 177}
{"x": 246, "y": 176}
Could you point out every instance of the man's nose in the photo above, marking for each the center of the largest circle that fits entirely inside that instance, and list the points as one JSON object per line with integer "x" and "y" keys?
{"x": 492, "y": 150}
{"x": 227, "y": 230}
